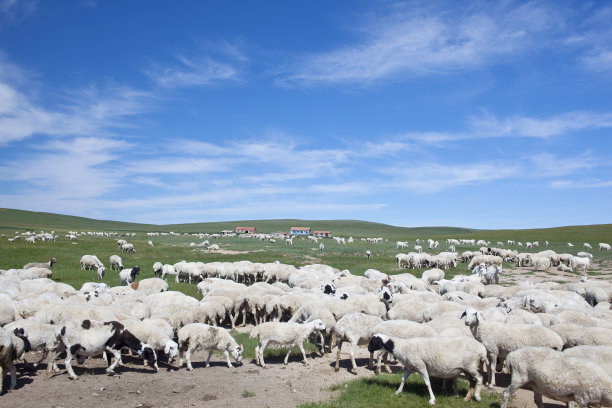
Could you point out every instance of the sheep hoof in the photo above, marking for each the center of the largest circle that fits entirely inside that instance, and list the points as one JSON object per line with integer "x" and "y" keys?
{"x": 336, "y": 369}
{"x": 398, "y": 392}
{"x": 110, "y": 373}
{"x": 74, "y": 377}
{"x": 189, "y": 368}
{"x": 432, "y": 402}
{"x": 353, "y": 371}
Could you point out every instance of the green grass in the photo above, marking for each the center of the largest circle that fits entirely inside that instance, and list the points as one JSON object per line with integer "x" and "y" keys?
{"x": 380, "y": 391}
{"x": 247, "y": 394}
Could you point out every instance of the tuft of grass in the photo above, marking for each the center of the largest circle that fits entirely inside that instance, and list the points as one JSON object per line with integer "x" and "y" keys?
{"x": 380, "y": 391}
{"x": 247, "y": 394}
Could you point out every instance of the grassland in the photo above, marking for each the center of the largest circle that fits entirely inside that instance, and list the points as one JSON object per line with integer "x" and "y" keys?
{"x": 171, "y": 249}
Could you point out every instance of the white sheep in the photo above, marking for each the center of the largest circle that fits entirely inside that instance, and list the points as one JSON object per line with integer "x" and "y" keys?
{"x": 127, "y": 276}
{"x": 127, "y": 247}
{"x": 557, "y": 376}
{"x": 155, "y": 332}
{"x": 500, "y": 339}
{"x": 600, "y": 355}
{"x": 283, "y": 334}
{"x": 356, "y": 328}
{"x": 116, "y": 262}
{"x": 41, "y": 336}
{"x": 604, "y": 246}
{"x": 7, "y": 358}
{"x": 47, "y": 265}
{"x": 580, "y": 262}
{"x": 440, "y": 357}
{"x": 404, "y": 329}
{"x": 431, "y": 275}
{"x": 196, "y": 336}
{"x": 150, "y": 285}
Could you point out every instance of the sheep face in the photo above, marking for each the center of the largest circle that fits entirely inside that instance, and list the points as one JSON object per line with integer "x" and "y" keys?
{"x": 319, "y": 325}
{"x": 237, "y": 353}
{"x": 171, "y": 349}
{"x": 380, "y": 341}
{"x": 472, "y": 316}
{"x": 148, "y": 355}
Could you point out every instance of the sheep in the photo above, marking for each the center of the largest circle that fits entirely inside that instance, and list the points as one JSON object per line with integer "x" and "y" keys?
{"x": 576, "y": 262}
{"x": 404, "y": 329}
{"x": 596, "y": 294}
{"x": 431, "y": 275}
{"x": 500, "y": 339}
{"x": 356, "y": 328}
{"x": 557, "y": 376}
{"x": 368, "y": 254}
{"x": 587, "y": 245}
{"x": 150, "y": 285}
{"x": 321, "y": 247}
{"x": 87, "y": 338}
{"x": 155, "y": 332}
{"x": 604, "y": 246}
{"x": 7, "y": 357}
{"x": 116, "y": 262}
{"x": 150, "y": 243}
{"x": 90, "y": 262}
{"x": 127, "y": 247}
{"x": 128, "y": 275}
{"x": 492, "y": 273}
{"x": 213, "y": 247}
{"x": 41, "y": 336}
{"x": 197, "y": 336}
{"x": 600, "y": 355}
{"x": 589, "y": 336}
{"x": 283, "y": 334}
{"x": 47, "y": 265}
{"x": 442, "y": 357}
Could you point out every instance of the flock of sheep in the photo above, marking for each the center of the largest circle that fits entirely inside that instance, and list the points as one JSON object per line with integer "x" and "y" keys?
{"x": 556, "y": 337}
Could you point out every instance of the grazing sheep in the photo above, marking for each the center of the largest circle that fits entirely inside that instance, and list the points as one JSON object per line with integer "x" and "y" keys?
{"x": 87, "y": 338}
{"x": 500, "y": 338}
{"x": 321, "y": 247}
{"x": 47, "y": 265}
{"x": 368, "y": 254}
{"x": 213, "y": 247}
{"x": 116, "y": 262}
{"x": 128, "y": 248}
{"x": 283, "y": 334}
{"x": 356, "y": 328}
{"x": 580, "y": 262}
{"x": 197, "y": 336}
{"x": 128, "y": 275}
{"x": 90, "y": 262}
{"x": 440, "y": 357}
{"x": 150, "y": 243}
{"x": 604, "y": 246}
{"x": 557, "y": 376}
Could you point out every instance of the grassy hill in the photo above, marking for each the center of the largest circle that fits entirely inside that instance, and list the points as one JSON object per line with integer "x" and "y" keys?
{"x": 19, "y": 219}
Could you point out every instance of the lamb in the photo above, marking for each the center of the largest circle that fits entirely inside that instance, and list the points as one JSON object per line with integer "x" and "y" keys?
{"x": 604, "y": 246}
{"x": 580, "y": 262}
{"x": 116, "y": 262}
{"x": 197, "y": 336}
{"x": 87, "y": 338}
{"x": 47, "y": 265}
{"x": 587, "y": 245}
{"x": 492, "y": 273}
{"x": 442, "y": 357}
{"x": 128, "y": 275}
{"x": 557, "y": 376}
{"x": 90, "y": 262}
{"x": 500, "y": 339}
{"x": 283, "y": 334}
{"x": 356, "y": 328}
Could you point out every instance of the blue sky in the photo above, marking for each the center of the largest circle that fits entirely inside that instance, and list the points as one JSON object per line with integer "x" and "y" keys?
{"x": 474, "y": 114}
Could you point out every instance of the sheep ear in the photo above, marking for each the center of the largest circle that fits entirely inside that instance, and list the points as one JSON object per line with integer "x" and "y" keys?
{"x": 462, "y": 315}
{"x": 167, "y": 349}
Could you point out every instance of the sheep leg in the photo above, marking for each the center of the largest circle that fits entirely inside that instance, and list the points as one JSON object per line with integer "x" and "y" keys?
{"x": 261, "y": 353}
{"x": 353, "y": 363}
{"x": 229, "y": 363}
{"x": 68, "y": 365}
{"x": 233, "y": 317}
{"x": 257, "y": 354}
{"x": 287, "y": 356}
{"x": 303, "y": 353}
{"x": 425, "y": 374}
{"x": 407, "y": 372}
{"x": 322, "y": 343}
{"x": 117, "y": 354}
{"x": 210, "y": 353}
{"x": 537, "y": 398}
{"x": 337, "y": 368}
{"x": 491, "y": 371}
{"x": 188, "y": 358}
{"x": 508, "y": 392}
{"x": 455, "y": 387}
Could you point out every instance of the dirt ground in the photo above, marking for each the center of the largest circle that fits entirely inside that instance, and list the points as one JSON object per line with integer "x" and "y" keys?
{"x": 247, "y": 385}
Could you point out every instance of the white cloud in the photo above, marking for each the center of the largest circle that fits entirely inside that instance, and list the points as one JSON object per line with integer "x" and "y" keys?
{"x": 420, "y": 40}
{"x": 580, "y": 184}
{"x": 551, "y": 165}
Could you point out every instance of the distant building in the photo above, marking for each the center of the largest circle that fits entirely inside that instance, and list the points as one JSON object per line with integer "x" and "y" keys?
{"x": 300, "y": 230}
{"x": 245, "y": 230}
{"x": 322, "y": 234}
{"x": 227, "y": 232}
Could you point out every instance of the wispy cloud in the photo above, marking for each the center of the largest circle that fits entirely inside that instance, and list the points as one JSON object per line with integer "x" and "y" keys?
{"x": 421, "y": 40}
{"x": 580, "y": 184}
{"x": 200, "y": 70}
{"x": 488, "y": 126}
{"x": 82, "y": 112}
{"x": 14, "y": 11}
{"x": 551, "y": 165}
